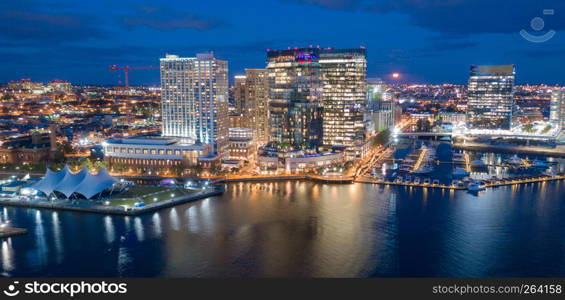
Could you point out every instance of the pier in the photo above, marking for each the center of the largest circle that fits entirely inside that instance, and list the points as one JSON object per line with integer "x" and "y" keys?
{"x": 498, "y": 183}
{"x": 115, "y": 210}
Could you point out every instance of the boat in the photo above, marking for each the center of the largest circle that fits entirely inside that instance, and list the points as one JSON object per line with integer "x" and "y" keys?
{"x": 460, "y": 172}
{"x": 477, "y": 186}
{"x": 424, "y": 170}
{"x": 458, "y": 158}
{"x": 540, "y": 164}
{"x": 514, "y": 160}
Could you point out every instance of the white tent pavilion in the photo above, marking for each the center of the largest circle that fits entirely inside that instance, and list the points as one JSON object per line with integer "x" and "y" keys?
{"x": 82, "y": 183}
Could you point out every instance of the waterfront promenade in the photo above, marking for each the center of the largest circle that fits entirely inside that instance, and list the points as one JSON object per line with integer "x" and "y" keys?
{"x": 93, "y": 207}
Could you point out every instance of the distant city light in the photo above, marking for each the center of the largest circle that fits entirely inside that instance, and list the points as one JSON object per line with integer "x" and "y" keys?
{"x": 395, "y": 75}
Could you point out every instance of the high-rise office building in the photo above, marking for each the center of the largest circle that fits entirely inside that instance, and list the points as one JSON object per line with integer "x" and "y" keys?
{"x": 194, "y": 100}
{"x": 295, "y": 110}
{"x": 255, "y": 108}
{"x": 344, "y": 91}
{"x": 557, "y": 108}
{"x": 317, "y": 96}
{"x": 490, "y": 97}
{"x": 239, "y": 93}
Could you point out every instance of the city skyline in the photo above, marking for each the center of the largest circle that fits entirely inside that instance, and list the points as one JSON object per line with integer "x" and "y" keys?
{"x": 48, "y": 40}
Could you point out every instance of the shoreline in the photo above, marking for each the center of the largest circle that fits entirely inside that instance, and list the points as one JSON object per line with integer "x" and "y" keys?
{"x": 116, "y": 210}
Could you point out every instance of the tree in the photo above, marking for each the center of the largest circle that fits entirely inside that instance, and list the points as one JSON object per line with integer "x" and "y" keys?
{"x": 423, "y": 125}
{"x": 529, "y": 128}
{"x": 381, "y": 138}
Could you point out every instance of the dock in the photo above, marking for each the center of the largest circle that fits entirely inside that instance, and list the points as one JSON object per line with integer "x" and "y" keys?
{"x": 503, "y": 182}
{"x": 11, "y": 231}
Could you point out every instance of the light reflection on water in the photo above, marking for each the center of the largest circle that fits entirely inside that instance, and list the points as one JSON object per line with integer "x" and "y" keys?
{"x": 302, "y": 229}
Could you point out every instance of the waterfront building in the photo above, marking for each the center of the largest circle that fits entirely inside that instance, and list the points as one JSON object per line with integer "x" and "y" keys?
{"x": 317, "y": 98}
{"x": 242, "y": 144}
{"x": 194, "y": 104}
{"x": 490, "y": 97}
{"x": 298, "y": 161}
{"x": 154, "y": 154}
{"x": 194, "y": 100}
{"x": 251, "y": 93}
{"x": 344, "y": 91}
{"x": 557, "y": 108}
{"x": 295, "y": 103}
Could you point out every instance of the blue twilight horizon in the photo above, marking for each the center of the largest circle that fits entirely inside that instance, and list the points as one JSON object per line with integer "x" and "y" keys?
{"x": 433, "y": 41}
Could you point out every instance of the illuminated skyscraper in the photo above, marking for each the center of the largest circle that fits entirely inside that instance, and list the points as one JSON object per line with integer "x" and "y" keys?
{"x": 557, "y": 108}
{"x": 344, "y": 91}
{"x": 255, "y": 109}
{"x": 490, "y": 97}
{"x": 194, "y": 99}
{"x": 295, "y": 97}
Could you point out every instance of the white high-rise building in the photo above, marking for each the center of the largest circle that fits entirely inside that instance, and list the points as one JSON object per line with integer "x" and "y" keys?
{"x": 557, "y": 108}
{"x": 194, "y": 100}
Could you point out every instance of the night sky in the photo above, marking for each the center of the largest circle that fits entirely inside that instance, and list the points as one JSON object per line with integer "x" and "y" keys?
{"x": 428, "y": 41}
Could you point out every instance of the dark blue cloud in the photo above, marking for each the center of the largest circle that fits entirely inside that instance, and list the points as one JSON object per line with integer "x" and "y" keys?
{"x": 428, "y": 40}
{"x": 162, "y": 18}
{"x": 32, "y": 21}
{"x": 457, "y": 16}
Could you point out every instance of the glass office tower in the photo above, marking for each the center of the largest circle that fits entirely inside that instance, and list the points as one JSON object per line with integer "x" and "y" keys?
{"x": 295, "y": 108}
{"x": 194, "y": 100}
{"x": 344, "y": 74}
{"x": 490, "y": 97}
{"x": 317, "y": 96}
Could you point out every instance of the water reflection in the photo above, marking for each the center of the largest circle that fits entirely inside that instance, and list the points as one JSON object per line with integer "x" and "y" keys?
{"x": 303, "y": 229}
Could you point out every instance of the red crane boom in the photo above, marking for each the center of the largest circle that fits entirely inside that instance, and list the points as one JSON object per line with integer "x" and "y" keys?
{"x": 126, "y": 71}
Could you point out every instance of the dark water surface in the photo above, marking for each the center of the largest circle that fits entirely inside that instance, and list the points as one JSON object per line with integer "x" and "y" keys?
{"x": 303, "y": 229}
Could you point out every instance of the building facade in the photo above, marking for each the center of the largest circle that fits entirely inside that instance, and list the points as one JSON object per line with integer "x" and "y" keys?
{"x": 251, "y": 93}
{"x": 557, "y": 108}
{"x": 295, "y": 107}
{"x": 242, "y": 144}
{"x": 380, "y": 112}
{"x": 194, "y": 100}
{"x": 153, "y": 155}
{"x": 344, "y": 91}
{"x": 490, "y": 97}
{"x": 317, "y": 97}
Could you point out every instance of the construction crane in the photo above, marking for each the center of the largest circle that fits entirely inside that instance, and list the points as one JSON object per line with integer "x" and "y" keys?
{"x": 127, "y": 69}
